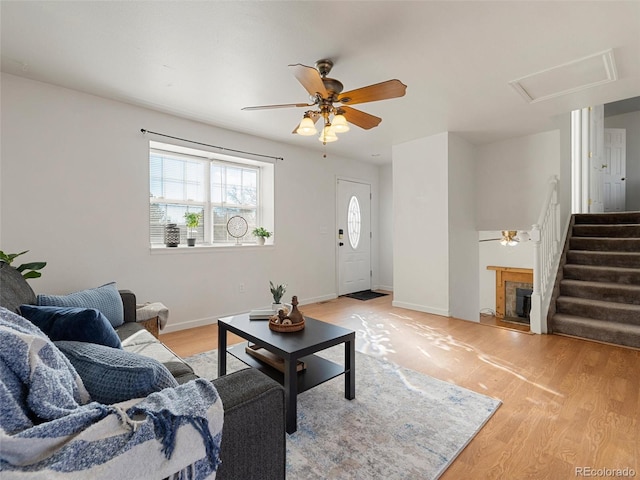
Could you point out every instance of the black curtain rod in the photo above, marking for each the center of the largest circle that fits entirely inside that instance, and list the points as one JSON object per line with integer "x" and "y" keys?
{"x": 213, "y": 146}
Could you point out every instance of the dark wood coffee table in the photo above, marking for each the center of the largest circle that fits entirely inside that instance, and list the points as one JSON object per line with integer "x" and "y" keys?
{"x": 292, "y": 347}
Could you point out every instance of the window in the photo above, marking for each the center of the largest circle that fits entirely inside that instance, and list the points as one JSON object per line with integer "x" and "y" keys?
{"x": 353, "y": 222}
{"x": 185, "y": 180}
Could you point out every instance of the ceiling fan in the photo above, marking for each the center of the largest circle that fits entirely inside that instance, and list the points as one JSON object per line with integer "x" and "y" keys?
{"x": 325, "y": 92}
{"x": 509, "y": 238}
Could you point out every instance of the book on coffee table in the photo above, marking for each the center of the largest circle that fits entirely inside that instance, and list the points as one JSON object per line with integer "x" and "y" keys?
{"x": 261, "y": 314}
{"x": 270, "y": 358}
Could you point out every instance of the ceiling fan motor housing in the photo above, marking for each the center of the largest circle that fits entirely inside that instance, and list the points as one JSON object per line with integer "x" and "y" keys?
{"x": 324, "y": 66}
{"x": 333, "y": 86}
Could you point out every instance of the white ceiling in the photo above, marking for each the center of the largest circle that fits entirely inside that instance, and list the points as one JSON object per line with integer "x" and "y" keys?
{"x": 206, "y": 60}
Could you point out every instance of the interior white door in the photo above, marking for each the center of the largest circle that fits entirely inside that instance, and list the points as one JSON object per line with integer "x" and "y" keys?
{"x": 596, "y": 140}
{"x": 614, "y": 169}
{"x": 354, "y": 236}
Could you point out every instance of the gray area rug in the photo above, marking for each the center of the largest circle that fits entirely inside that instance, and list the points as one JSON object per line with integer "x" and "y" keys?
{"x": 401, "y": 425}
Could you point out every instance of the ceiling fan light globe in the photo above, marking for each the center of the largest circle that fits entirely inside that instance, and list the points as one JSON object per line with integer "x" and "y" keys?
{"x": 339, "y": 124}
{"x": 509, "y": 238}
{"x": 307, "y": 127}
{"x": 328, "y": 135}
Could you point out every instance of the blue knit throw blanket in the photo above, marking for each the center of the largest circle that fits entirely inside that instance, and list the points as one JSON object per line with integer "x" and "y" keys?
{"x": 49, "y": 428}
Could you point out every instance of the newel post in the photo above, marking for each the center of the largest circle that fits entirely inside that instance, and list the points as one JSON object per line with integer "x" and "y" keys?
{"x": 535, "y": 315}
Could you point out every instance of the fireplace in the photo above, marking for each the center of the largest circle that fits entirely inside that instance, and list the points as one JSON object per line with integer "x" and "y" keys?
{"x": 517, "y": 300}
{"x": 513, "y": 292}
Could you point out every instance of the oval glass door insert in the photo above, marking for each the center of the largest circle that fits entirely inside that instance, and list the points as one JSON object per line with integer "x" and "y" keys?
{"x": 353, "y": 222}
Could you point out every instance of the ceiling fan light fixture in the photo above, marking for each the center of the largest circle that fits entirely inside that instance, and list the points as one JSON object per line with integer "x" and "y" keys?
{"x": 339, "y": 124}
{"x": 328, "y": 135}
{"x": 307, "y": 127}
{"x": 509, "y": 238}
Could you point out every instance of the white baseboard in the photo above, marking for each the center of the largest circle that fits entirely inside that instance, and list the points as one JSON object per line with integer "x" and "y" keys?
{"x": 386, "y": 288}
{"x": 322, "y": 298}
{"x": 201, "y": 322}
{"x": 421, "y": 308}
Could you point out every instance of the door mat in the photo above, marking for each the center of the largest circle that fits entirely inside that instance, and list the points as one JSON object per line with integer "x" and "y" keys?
{"x": 365, "y": 295}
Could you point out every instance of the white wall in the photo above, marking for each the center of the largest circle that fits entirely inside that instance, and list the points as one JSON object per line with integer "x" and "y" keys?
{"x": 512, "y": 180}
{"x": 463, "y": 238}
{"x": 630, "y": 122}
{"x": 75, "y": 192}
{"x": 385, "y": 206}
{"x": 420, "y": 232}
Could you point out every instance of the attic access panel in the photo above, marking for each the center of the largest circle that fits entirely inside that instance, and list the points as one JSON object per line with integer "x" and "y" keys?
{"x": 587, "y": 72}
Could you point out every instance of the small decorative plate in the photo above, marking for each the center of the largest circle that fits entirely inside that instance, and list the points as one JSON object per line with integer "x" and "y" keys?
{"x": 237, "y": 227}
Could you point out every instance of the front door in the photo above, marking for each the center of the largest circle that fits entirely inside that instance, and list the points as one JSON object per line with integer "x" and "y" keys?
{"x": 614, "y": 169}
{"x": 353, "y": 236}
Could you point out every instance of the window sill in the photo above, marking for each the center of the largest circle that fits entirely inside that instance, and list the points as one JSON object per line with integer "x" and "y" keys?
{"x": 180, "y": 249}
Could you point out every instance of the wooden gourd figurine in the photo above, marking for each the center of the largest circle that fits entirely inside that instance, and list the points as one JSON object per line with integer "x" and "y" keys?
{"x": 295, "y": 316}
{"x": 282, "y": 318}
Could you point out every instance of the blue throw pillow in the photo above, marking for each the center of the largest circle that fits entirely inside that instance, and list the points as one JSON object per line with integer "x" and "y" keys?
{"x": 70, "y": 323}
{"x": 105, "y": 298}
{"x": 112, "y": 376}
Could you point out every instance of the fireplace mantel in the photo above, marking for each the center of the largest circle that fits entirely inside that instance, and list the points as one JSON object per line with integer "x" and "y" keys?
{"x": 504, "y": 275}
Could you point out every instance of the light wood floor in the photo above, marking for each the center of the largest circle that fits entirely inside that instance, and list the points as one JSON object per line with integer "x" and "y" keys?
{"x": 567, "y": 403}
{"x": 496, "y": 322}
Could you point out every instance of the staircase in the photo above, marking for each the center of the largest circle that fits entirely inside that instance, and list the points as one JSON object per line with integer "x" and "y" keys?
{"x": 597, "y": 294}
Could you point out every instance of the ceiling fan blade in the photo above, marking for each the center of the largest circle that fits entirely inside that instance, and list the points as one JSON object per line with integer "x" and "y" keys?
{"x": 313, "y": 116}
{"x": 490, "y": 240}
{"x": 284, "y": 105}
{"x": 360, "y": 118}
{"x": 310, "y": 79}
{"x": 372, "y": 93}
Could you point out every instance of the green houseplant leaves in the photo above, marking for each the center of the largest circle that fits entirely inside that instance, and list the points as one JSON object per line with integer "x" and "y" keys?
{"x": 28, "y": 270}
{"x": 277, "y": 292}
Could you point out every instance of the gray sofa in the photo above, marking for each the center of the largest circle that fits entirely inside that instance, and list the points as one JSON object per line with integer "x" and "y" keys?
{"x": 253, "y": 435}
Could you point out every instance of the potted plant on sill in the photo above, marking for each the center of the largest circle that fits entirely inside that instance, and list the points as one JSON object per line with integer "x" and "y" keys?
{"x": 261, "y": 234}
{"x": 192, "y": 220}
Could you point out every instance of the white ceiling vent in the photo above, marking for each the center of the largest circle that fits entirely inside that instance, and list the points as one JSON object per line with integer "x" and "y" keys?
{"x": 567, "y": 78}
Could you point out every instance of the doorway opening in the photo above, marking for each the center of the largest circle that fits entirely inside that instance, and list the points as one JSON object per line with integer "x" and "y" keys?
{"x": 598, "y": 163}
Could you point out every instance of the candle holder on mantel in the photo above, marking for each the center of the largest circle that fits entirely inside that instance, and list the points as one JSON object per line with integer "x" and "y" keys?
{"x": 293, "y": 322}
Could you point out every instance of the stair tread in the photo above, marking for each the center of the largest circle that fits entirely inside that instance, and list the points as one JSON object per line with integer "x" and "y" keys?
{"x": 589, "y": 283}
{"x": 601, "y": 268}
{"x": 608, "y": 224}
{"x": 604, "y": 252}
{"x": 593, "y": 237}
{"x": 610, "y": 324}
{"x": 599, "y": 303}
{"x": 623, "y": 334}
{"x": 609, "y": 218}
